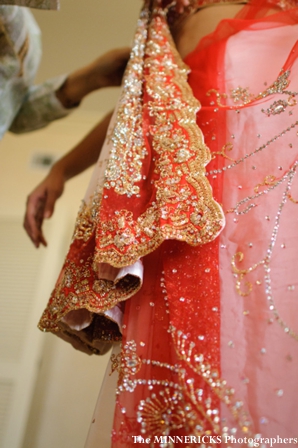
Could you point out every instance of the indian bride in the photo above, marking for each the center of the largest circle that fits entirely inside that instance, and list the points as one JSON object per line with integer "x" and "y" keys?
{"x": 185, "y": 247}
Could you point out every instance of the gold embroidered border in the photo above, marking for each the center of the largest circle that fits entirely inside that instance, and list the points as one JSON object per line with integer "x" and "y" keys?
{"x": 128, "y": 151}
{"x": 182, "y": 206}
{"x": 78, "y": 288}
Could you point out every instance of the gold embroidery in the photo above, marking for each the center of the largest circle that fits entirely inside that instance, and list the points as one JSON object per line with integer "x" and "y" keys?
{"x": 115, "y": 363}
{"x": 292, "y": 199}
{"x": 227, "y": 147}
{"x": 162, "y": 413}
{"x": 268, "y": 181}
{"x": 200, "y": 398}
{"x": 182, "y": 206}
{"x": 279, "y": 86}
{"x": 242, "y": 95}
{"x": 85, "y": 222}
{"x": 175, "y": 403}
{"x": 79, "y": 288}
{"x": 241, "y": 273}
{"x": 219, "y": 96}
{"x": 128, "y": 150}
{"x": 271, "y": 182}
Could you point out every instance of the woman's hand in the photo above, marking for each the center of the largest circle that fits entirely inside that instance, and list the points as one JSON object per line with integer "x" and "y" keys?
{"x": 107, "y": 70}
{"x": 40, "y": 205}
{"x": 41, "y": 202}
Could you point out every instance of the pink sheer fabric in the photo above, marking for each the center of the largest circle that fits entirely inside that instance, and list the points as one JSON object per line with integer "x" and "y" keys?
{"x": 209, "y": 334}
{"x": 249, "y": 121}
{"x": 217, "y": 356}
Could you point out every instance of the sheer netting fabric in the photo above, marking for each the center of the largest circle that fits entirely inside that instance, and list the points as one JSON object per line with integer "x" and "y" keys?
{"x": 186, "y": 244}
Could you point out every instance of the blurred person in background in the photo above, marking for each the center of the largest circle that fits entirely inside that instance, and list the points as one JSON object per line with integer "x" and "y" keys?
{"x": 24, "y": 106}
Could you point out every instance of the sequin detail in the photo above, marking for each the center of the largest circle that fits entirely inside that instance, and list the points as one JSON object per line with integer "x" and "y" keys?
{"x": 175, "y": 402}
{"x": 124, "y": 169}
{"x": 181, "y": 205}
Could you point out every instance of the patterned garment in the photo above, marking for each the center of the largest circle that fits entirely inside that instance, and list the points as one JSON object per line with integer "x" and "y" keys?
{"x": 186, "y": 244}
{"x": 24, "y": 107}
{"x": 39, "y": 4}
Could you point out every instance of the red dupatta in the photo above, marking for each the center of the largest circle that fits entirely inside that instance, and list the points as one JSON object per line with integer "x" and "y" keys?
{"x": 183, "y": 372}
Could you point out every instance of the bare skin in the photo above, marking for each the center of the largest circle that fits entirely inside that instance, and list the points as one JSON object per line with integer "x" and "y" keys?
{"x": 41, "y": 201}
{"x": 203, "y": 22}
{"x": 200, "y": 24}
{"x": 105, "y": 71}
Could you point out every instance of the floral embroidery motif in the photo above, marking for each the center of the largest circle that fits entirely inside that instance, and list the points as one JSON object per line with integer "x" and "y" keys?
{"x": 241, "y": 95}
{"x": 162, "y": 412}
{"x": 177, "y": 403}
{"x": 115, "y": 363}
{"x": 200, "y": 398}
{"x": 131, "y": 362}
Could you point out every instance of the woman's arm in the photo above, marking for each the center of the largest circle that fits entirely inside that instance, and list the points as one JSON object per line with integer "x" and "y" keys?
{"x": 105, "y": 71}
{"x": 55, "y": 98}
{"x": 41, "y": 201}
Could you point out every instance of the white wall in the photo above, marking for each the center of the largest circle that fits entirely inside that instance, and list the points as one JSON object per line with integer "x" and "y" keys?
{"x": 68, "y": 381}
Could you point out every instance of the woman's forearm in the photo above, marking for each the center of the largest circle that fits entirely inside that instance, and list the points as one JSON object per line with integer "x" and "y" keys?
{"x": 41, "y": 201}
{"x": 105, "y": 71}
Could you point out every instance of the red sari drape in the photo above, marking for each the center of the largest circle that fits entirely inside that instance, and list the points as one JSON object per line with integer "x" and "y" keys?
{"x": 191, "y": 235}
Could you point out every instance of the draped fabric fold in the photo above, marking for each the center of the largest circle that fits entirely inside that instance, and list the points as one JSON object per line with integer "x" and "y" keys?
{"x": 154, "y": 186}
{"x": 205, "y": 295}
